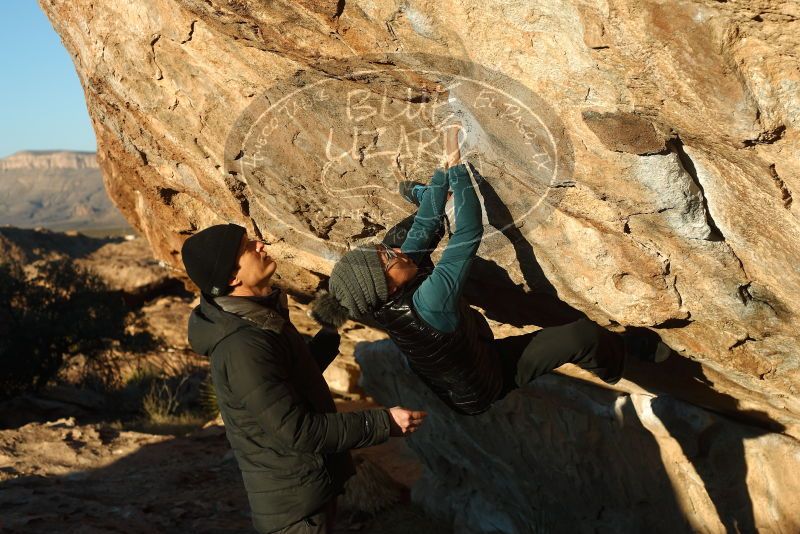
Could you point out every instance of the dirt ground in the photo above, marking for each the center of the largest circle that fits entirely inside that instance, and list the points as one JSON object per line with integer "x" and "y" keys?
{"x": 65, "y": 477}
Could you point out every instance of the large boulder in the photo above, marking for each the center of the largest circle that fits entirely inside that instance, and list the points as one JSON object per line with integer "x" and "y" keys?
{"x": 640, "y": 156}
{"x": 562, "y": 455}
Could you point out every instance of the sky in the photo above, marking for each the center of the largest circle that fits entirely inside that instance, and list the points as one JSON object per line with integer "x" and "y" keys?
{"x": 41, "y": 100}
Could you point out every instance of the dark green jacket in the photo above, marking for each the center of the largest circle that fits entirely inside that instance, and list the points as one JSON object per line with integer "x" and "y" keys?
{"x": 291, "y": 445}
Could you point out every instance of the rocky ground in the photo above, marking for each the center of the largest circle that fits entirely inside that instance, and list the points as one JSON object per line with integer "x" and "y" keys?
{"x": 89, "y": 454}
{"x": 62, "y": 476}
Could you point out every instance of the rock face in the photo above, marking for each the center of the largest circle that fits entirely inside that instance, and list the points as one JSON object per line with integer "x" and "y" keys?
{"x": 565, "y": 456}
{"x": 59, "y": 190}
{"x": 640, "y": 156}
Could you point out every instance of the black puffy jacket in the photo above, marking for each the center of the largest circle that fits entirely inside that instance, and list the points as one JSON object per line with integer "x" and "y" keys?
{"x": 461, "y": 367}
{"x": 281, "y": 421}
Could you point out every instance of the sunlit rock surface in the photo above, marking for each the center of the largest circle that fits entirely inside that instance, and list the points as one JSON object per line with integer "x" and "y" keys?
{"x": 641, "y": 157}
{"x": 565, "y": 456}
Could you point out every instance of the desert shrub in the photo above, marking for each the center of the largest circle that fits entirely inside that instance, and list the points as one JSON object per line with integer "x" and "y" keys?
{"x": 128, "y": 395}
{"x": 167, "y": 407}
{"x": 163, "y": 401}
{"x": 60, "y": 311}
{"x": 142, "y": 378}
{"x": 208, "y": 397}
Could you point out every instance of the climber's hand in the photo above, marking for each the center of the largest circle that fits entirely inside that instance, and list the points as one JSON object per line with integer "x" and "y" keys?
{"x": 403, "y": 422}
{"x": 451, "y": 148}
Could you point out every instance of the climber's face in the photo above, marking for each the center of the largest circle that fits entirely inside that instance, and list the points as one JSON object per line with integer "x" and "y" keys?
{"x": 254, "y": 269}
{"x": 399, "y": 268}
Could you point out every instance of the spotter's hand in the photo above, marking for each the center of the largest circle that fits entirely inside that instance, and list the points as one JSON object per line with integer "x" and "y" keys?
{"x": 403, "y": 422}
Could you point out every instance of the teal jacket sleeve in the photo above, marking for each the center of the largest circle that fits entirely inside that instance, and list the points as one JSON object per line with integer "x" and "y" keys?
{"x": 436, "y": 299}
{"x": 259, "y": 378}
{"x": 424, "y": 233}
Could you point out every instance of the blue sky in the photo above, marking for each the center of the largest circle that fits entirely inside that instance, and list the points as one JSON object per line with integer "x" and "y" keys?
{"x": 41, "y": 100}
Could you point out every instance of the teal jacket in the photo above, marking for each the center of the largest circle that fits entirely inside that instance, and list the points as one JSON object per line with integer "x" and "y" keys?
{"x": 436, "y": 299}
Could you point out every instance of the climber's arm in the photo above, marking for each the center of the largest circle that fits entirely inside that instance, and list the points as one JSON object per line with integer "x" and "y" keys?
{"x": 427, "y": 229}
{"x": 436, "y": 299}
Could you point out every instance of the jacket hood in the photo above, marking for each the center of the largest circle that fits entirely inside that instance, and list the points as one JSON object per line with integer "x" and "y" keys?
{"x": 209, "y": 324}
{"x": 214, "y": 319}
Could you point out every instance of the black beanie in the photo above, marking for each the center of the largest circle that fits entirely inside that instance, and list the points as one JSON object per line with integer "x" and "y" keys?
{"x": 210, "y": 257}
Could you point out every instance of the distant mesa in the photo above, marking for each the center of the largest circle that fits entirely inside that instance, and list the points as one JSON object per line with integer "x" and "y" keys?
{"x": 49, "y": 159}
{"x": 56, "y": 189}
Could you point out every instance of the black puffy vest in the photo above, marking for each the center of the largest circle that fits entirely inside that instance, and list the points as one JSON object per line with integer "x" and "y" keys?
{"x": 461, "y": 367}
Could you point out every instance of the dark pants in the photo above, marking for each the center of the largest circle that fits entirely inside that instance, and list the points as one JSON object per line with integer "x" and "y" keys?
{"x": 320, "y": 522}
{"x": 581, "y": 342}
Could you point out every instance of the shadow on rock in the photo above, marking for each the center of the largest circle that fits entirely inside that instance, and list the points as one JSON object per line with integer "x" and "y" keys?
{"x": 555, "y": 456}
{"x": 563, "y": 455}
{"x": 714, "y": 444}
{"x": 491, "y": 288}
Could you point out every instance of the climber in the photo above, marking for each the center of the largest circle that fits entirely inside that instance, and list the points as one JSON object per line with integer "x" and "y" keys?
{"x": 291, "y": 446}
{"x": 447, "y": 343}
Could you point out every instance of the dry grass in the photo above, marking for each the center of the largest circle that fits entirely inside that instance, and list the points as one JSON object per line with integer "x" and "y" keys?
{"x": 162, "y": 401}
{"x": 162, "y": 404}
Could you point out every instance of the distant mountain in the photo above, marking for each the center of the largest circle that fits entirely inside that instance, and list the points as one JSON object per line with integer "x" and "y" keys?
{"x": 59, "y": 190}
{"x": 49, "y": 159}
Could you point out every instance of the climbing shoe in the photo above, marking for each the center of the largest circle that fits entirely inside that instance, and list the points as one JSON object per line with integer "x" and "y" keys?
{"x": 646, "y": 345}
{"x": 406, "y": 190}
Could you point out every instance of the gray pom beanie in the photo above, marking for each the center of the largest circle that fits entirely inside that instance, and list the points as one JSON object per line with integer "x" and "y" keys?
{"x": 357, "y": 283}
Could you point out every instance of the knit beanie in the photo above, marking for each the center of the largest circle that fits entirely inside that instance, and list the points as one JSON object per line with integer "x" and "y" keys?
{"x": 210, "y": 257}
{"x": 356, "y": 288}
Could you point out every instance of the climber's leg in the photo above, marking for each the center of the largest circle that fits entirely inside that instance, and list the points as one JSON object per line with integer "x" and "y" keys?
{"x": 581, "y": 342}
{"x": 645, "y": 345}
{"x": 509, "y": 349}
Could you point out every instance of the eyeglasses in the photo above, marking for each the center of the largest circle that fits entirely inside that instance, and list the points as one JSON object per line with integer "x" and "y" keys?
{"x": 251, "y": 244}
{"x": 390, "y": 255}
